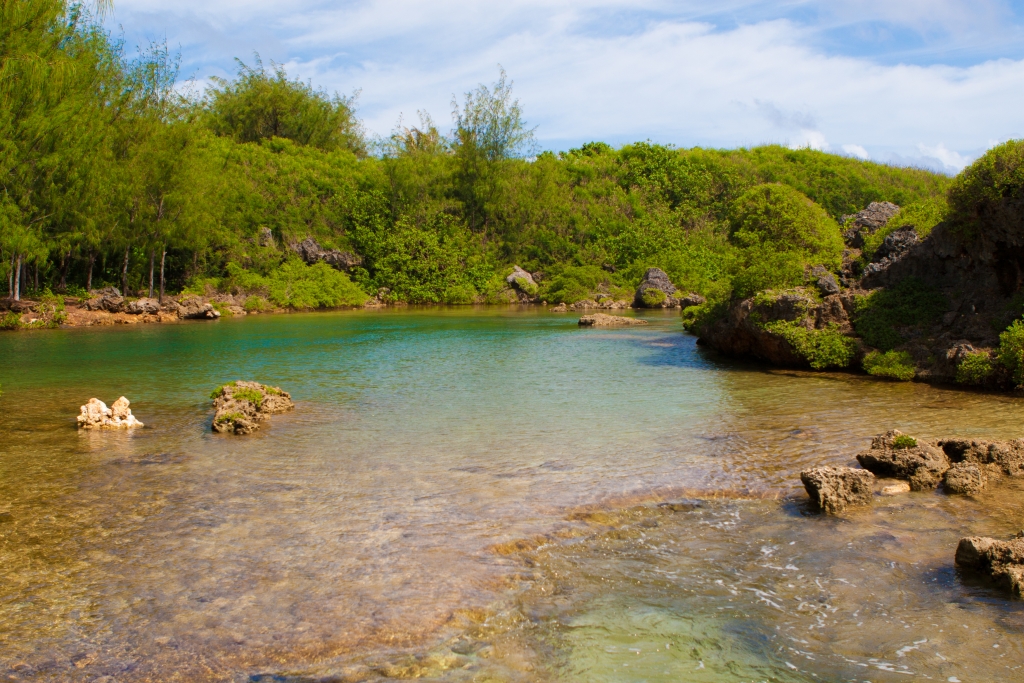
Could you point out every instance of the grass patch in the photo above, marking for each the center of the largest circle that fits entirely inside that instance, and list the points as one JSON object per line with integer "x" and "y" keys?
{"x": 246, "y": 394}
{"x": 257, "y": 304}
{"x": 903, "y": 441}
{"x": 974, "y": 368}
{"x": 10, "y": 321}
{"x": 220, "y": 390}
{"x": 892, "y": 364}
{"x": 229, "y": 417}
{"x": 823, "y": 349}
{"x": 525, "y": 286}
{"x": 273, "y": 391}
{"x": 878, "y": 317}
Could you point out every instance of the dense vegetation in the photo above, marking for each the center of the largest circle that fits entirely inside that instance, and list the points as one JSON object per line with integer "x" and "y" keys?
{"x": 109, "y": 176}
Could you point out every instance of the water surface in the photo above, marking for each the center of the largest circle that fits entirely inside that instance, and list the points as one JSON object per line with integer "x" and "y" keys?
{"x": 471, "y": 494}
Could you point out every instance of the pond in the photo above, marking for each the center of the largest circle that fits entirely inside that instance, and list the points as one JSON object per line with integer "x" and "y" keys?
{"x": 473, "y": 494}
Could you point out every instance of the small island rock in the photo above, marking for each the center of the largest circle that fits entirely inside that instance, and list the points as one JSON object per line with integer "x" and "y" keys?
{"x": 604, "y": 320}
{"x": 96, "y": 415}
{"x": 241, "y": 406}
{"x": 921, "y": 465}
{"x": 1001, "y": 561}
{"x": 833, "y": 489}
{"x": 655, "y": 291}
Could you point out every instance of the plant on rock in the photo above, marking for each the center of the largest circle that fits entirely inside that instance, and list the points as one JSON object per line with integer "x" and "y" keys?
{"x": 903, "y": 441}
{"x": 974, "y": 368}
{"x": 892, "y": 364}
{"x": 823, "y": 349}
{"x": 1011, "y": 351}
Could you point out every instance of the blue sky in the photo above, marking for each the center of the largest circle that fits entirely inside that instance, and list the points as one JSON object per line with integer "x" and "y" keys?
{"x": 924, "y": 82}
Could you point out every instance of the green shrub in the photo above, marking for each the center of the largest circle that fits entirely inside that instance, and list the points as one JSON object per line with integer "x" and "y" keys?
{"x": 903, "y": 441}
{"x": 524, "y": 285}
{"x": 974, "y": 368}
{"x": 246, "y": 394}
{"x": 823, "y": 349}
{"x": 296, "y": 285}
{"x": 785, "y": 219}
{"x": 220, "y": 390}
{"x": 653, "y": 297}
{"x": 995, "y": 177}
{"x": 10, "y": 321}
{"x": 878, "y": 317}
{"x": 222, "y": 308}
{"x": 229, "y": 417}
{"x": 893, "y": 364}
{"x": 1011, "y": 351}
{"x": 573, "y": 283}
{"x": 257, "y": 304}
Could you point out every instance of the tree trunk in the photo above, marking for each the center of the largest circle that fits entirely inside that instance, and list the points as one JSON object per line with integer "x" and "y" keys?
{"x": 17, "y": 280}
{"x": 163, "y": 257}
{"x": 152, "y": 259}
{"x": 124, "y": 272}
{"x": 65, "y": 263}
{"x": 37, "y": 276}
{"x": 10, "y": 280}
{"x": 88, "y": 275}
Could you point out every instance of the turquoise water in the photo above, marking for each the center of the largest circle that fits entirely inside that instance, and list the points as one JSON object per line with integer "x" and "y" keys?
{"x": 355, "y": 538}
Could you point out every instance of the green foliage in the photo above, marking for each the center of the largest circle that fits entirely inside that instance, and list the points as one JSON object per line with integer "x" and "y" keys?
{"x": 974, "y": 368}
{"x": 257, "y": 304}
{"x": 780, "y": 232}
{"x": 229, "y": 417}
{"x": 10, "y": 321}
{"x": 653, "y": 297}
{"x": 246, "y": 394}
{"x": 880, "y": 316}
{"x": 1011, "y": 351}
{"x": 574, "y": 283}
{"x": 995, "y": 177}
{"x": 892, "y": 364}
{"x": 526, "y": 286}
{"x": 259, "y": 105}
{"x": 51, "y": 309}
{"x": 220, "y": 390}
{"x": 922, "y": 216}
{"x": 903, "y": 441}
{"x": 822, "y": 348}
{"x": 297, "y": 285}
{"x": 273, "y": 391}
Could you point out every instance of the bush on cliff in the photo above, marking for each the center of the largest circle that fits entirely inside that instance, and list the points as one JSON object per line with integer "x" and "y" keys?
{"x": 296, "y": 285}
{"x": 780, "y": 231}
{"x": 1011, "y": 351}
{"x": 823, "y": 349}
{"x": 922, "y": 216}
{"x": 880, "y": 316}
{"x": 974, "y": 368}
{"x": 997, "y": 176}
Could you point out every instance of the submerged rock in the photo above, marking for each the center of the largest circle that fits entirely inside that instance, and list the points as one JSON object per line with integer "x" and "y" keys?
{"x": 604, "y": 320}
{"x": 833, "y": 489}
{"x": 241, "y": 406}
{"x": 1001, "y": 561}
{"x": 96, "y": 415}
{"x": 965, "y": 478}
{"x": 895, "y": 455}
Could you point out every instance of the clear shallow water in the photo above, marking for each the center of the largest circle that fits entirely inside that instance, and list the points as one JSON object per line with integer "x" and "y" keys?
{"x": 356, "y": 537}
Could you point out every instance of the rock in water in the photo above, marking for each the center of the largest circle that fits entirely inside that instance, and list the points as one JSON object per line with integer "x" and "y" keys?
{"x": 96, "y": 415}
{"x": 1001, "y": 561}
{"x": 604, "y": 320}
{"x": 964, "y": 478}
{"x": 241, "y": 406}
{"x": 892, "y": 455}
{"x": 833, "y": 489}
{"x": 655, "y": 291}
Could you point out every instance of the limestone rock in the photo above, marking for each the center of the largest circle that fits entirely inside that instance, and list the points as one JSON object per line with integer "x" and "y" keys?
{"x": 107, "y": 299}
{"x": 1001, "y": 561}
{"x": 96, "y": 415}
{"x": 896, "y": 245}
{"x": 143, "y": 306}
{"x": 996, "y": 457}
{"x": 922, "y": 466}
{"x": 311, "y": 252}
{"x": 522, "y": 281}
{"x": 691, "y": 299}
{"x": 827, "y": 283}
{"x": 867, "y": 221}
{"x": 603, "y": 320}
{"x": 657, "y": 280}
{"x": 560, "y": 308}
{"x": 194, "y": 308}
{"x": 965, "y": 478}
{"x": 833, "y": 489}
{"x": 240, "y": 406}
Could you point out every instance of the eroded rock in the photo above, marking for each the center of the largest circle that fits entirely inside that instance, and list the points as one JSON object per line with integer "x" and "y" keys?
{"x": 995, "y": 457}
{"x": 604, "y": 320}
{"x": 833, "y": 489}
{"x": 522, "y": 282}
{"x": 964, "y": 478}
{"x": 656, "y": 291}
{"x": 194, "y": 308}
{"x": 96, "y": 415}
{"x": 311, "y": 252}
{"x": 921, "y": 465}
{"x": 241, "y": 406}
{"x": 1001, "y": 561}
{"x": 867, "y": 221}
{"x": 143, "y": 306}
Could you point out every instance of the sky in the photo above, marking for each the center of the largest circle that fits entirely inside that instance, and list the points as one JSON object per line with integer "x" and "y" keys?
{"x": 929, "y": 83}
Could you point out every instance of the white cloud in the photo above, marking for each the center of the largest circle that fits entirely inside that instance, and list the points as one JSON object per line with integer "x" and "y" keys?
{"x": 617, "y": 71}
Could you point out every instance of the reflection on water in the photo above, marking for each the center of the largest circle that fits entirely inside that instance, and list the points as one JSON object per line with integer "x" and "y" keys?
{"x": 375, "y": 531}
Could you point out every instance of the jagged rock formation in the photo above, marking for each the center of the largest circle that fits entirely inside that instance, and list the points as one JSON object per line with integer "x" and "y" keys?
{"x": 922, "y": 465}
{"x": 523, "y": 284}
{"x": 867, "y": 221}
{"x": 1000, "y": 561}
{"x": 655, "y": 291}
{"x": 194, "y": 308}
{"x": 833, "y": 489}
{"x": 311, "y": 252}
{"x": 107, "y": 299}
{"x": 602, "y": 320}
{"x": 144, "y": 306}
{"x": 96, "y": 415}
{"x": 241, "y": 406}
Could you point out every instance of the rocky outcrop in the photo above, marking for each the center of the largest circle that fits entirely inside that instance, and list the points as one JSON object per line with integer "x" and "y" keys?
{"x": 522, "y": 283}
{"x": 311, "y": 252}
{"x": 867, "y": 221}
{"x": 964, "y": 478}
{"x": 833, "y": 489}
{"x": 144, "y": 306}
{"x": 265, "y": 237}
{"x": 921, "y": 464}
{"x": 746, "y": 328}
{"x": 1000, "y": 561}
{"x": 996, "y": 458}
{"x": 655, "y": 291}
{"x": 241, "y": 406}
{"x": 96, "y": 415}
{"x": 194, "y": 308}
{"x": 604, "y": 303}
{"x": 603, "y": 320}
{"x": 107, "y": 299}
